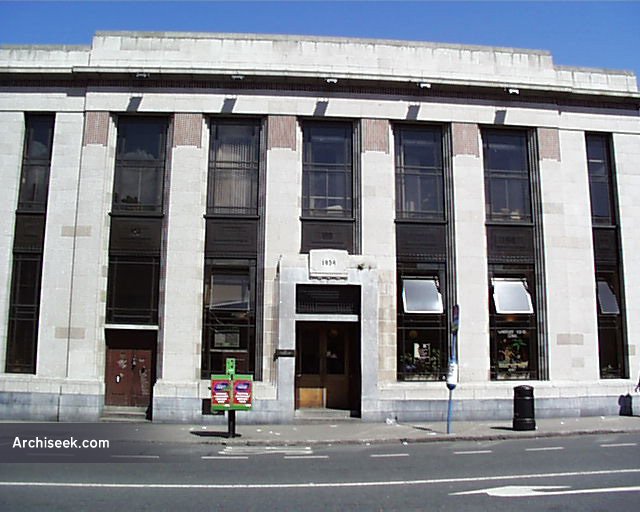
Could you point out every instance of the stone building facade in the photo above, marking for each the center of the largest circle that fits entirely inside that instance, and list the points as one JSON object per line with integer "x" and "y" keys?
{"x": 314, "y": 208}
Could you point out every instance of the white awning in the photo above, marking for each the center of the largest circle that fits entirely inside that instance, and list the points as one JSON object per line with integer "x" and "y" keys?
{"x": 607, "y": 299}
{"x": 510, "y": 296}
{"x": 421, "y": 296}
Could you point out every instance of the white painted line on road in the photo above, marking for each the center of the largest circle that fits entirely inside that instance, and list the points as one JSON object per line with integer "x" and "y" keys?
{"x": 135, "y": 456}
{"x": 617, "y": 445}
{"x": 472, "y": 452}
{"x": 380, "y": 455}
{"x": 224, "y": 457}
{"x": 320, "y": 485}
{"x": 544, "y": 449}
{"x": 306, "y": 456}
{"x": 519, "y": 491}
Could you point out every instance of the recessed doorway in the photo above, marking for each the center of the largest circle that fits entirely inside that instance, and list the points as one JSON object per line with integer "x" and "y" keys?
{"x": 130, "y": 368}
{"x": 328, "y": 366}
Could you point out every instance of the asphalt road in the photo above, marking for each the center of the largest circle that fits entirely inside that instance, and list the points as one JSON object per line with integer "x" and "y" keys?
{"x": 584, "y": 473}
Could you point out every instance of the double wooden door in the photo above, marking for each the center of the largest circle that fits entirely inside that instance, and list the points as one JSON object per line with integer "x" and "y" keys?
{"x": 328, "y": 365}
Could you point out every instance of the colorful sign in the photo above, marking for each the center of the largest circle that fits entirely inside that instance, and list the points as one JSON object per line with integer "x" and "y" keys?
{"x": 242, "y": 392}
{"x": 221, "y": 392}
{"x": 231, "y": 392}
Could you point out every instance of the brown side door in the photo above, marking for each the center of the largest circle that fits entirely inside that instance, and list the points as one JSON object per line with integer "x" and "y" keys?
{"x": 128, "y": 377}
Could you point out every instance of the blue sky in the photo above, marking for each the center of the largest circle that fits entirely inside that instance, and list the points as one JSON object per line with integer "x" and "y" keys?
{"x": 594, "y": 34}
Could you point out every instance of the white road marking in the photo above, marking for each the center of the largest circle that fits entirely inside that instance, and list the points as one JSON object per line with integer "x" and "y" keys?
{"x": 306, "y": 457}
{"x": 135, "y": 456}
{"x": 380, "y": 455}
{"x": 320, "y": 485}
{"x": 472, "y": 452}
{"x": 544, "y": 449}
{"x": 224, "y": 457}
{"x": 266, "y": 450}
{"x": 520, "y": 491}
{"x": 617, "y": 445}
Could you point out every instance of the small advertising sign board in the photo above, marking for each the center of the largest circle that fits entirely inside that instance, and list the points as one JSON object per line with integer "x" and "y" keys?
{"x": 221, "y": 392}
{"x": 242, "y": 392}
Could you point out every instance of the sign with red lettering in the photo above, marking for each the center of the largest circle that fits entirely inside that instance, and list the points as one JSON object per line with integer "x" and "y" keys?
{"x": 242, "y": 392}
{"x": 221, "y": 392}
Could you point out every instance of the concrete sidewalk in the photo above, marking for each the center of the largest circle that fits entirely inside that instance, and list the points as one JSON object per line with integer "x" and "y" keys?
{"x": 321, "y": 432}
{"x": 357, "y": 432}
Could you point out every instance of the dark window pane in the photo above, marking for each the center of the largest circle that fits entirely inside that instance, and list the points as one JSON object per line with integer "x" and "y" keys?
{"x": 422, "y": 353}
{"x": 228, "y": 316}
{"x": 21, "y": 350}
{"x": 328, "y": 145}
{"x": 327, "y": 171}
{"x": 514, "y": 353}
{"x": 26, "y": 280}
{"x": 518, "y": 199}
{"x": 506, "y": 151}
{"x": 419, "y": 173}
{"x": 141, "y": 139}
{"x": 139, "y": 173}
{"x": 335, "y": 357}
{"x": 421, "y": 148}
{"x": 235, "y": 191}
{"x": 138, "y": 188}
{"x": 34, "y": 184}
{"x": 600, "y": 200}
{"x": 229, "y": 291}
{"x": 600, "y": 179}
{"x": 39, "y": 137}
{"x": 233, "y": 168}
{"x": 507, "y": 189}
{"x": 23, "y": 313}
{"x": 309, "y": 356}
{"x": 236, "y": 143}
{"x": 596, "y": 148}
{"x": 133, "y": 290}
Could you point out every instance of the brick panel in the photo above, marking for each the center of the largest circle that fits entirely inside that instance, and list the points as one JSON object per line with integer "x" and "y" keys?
{"x": 549, "y": 143}
{"x": 465, "y": 139}
{"x": 96, "y": 128}
{"x": 375, "y": 135}
{"x": 282, "y": 132}
{"x": 187, "y": 130}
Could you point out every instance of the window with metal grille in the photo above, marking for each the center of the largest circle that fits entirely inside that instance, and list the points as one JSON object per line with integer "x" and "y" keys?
{"x": 229, "y": 320}
{"x": 28, "y": 244}
{"x": 140, "y": 164}
{"x": 132, "y": 296}
{"x": 600, "y": 189}
{"x": 608, "y": 262}
{"x": 23, "y": 313}
{"x": 419, "y": 173}
{"x": 507, "y": 187}
{"x": 422, "y": 344}
{"x": 327, "y": 171}
{"x": 36, "y": 162}
{"x": 234, "y": 163}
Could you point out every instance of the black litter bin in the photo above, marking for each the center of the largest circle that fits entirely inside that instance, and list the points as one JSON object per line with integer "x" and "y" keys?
{"x": 523, "y": 408}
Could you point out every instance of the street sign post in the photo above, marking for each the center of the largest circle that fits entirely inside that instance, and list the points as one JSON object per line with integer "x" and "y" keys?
{"x": 231, "y": 392}
{"x": 452, "y": 373}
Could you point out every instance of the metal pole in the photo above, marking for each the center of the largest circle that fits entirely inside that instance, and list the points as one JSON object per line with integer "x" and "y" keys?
{"x": 231, "y": 418}
{"x": 450, "y": 410}
{"x": 452, "y": 377}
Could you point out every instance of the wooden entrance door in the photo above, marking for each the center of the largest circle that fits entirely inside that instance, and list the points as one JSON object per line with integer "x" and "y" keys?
{"x": 129, "y": 374}
{"x": 327, "y": 366}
